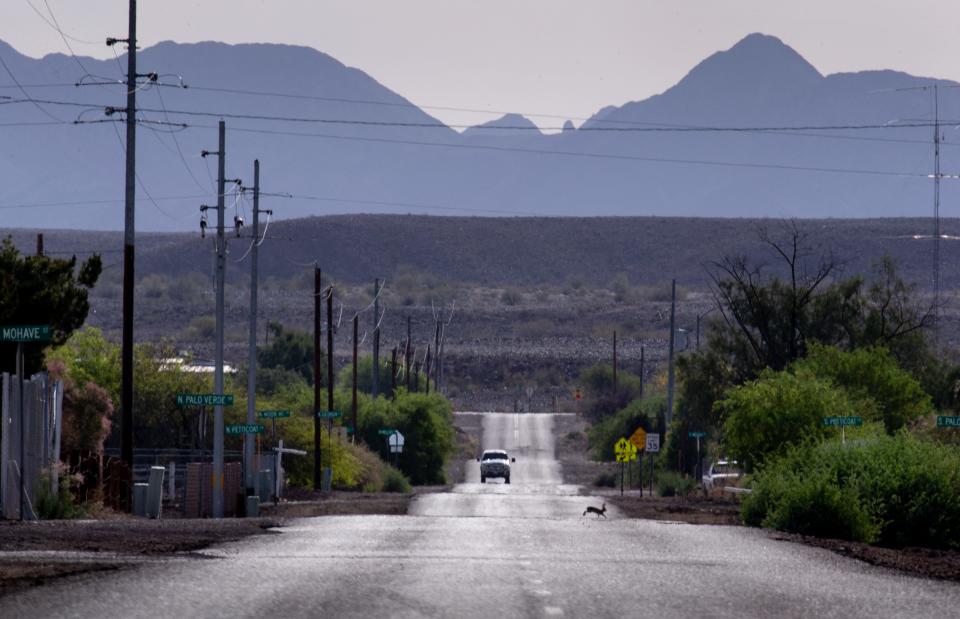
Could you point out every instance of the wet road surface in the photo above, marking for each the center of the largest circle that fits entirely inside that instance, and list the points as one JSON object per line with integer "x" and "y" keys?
{"x": 496, "y": 550}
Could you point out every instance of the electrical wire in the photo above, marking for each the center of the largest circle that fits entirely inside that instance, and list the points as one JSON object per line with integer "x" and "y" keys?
{"x": 57, "y": 27}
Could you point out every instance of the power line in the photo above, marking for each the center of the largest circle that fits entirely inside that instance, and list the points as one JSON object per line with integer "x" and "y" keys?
{"x": 437, "y": 125}
{"x": 56, "y": 26}
{"x": 563, "y": 153}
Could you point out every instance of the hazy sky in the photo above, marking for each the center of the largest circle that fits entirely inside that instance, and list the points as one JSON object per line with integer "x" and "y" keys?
{"x": 561, "y": 57}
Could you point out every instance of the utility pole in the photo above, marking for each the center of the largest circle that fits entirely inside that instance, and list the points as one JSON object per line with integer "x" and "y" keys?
{"x": 393, "y": 373}
{"x": 39, "y": 243}
{"x": 248, "y": 439}
{"x": 356, "y": 323}
{"x": 436, "y": 361}
{"x": 330, "y": 368}
{"x": 406, "y": 356}
{"x": 426, "y": 365}
{"x": 375, "y": 370}
{"x": 614, "y": 362}
{"x": 936, "y": 214}
{"x": 218, "y": 363}
{"x": 126, "y": 337}
{"x": 641, "y": 370}
{"x": 317, "y": 454}
{"x": 670, "y": 372}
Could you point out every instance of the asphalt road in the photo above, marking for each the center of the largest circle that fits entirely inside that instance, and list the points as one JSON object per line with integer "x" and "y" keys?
{"x": 495, "y": 550}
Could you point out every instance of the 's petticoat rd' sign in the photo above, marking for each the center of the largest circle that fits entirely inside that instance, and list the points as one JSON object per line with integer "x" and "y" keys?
{"x": 204, "y": 399}
{"x": 243, "y": 428}
{"x": 26, "y": 333}
{"x": 843, "y": 421}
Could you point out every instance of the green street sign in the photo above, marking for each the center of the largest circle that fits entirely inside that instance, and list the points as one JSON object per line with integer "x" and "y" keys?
{"x": 204, "y": 399}
{"x": 385, "y": 431}
{"x": 329, "y": 414}
{"x": 26, "y": 333}
{"x": 274, "y": 414}
{"x": 697, "y": 434}
{"x": 243, "y": 428}
{"x": 948, "y": 421}
{"x": 842, "y": 421}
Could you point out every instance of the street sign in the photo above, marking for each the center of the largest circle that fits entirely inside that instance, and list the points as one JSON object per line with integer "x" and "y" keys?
{"x": 843, "y": 421}
{"x": 396, "y": 442}
{"x": 625, "y": 450}
{"x": 386, "y": 431}
{"x": 243, "y": 428}
{"x": 274, "y": 414}
{"x": 653, "y": 443}
{"x": 948, "y": 421}
{"x": 204, "y": 399}
{"x": 697, "y": 434}
{"x": 26, "y": 333}
{"x": 639, "y": 438}
{"x": 329, "y": 414}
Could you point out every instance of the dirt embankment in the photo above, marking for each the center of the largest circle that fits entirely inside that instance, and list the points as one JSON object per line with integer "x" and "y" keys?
{"x": 112, "y": 543}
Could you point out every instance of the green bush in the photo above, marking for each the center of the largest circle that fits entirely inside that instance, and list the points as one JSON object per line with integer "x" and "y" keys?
{"x": 56, "y": 505}
{"x": 874, "y": 380}
{"x": 764, "y": 417}
{"x": 896, "y": 491}
{"x": 395, "y": 481}
{"x": 637, "y": 414}
{"x": 605, "y": 480}
{"x": 671, "y": 483}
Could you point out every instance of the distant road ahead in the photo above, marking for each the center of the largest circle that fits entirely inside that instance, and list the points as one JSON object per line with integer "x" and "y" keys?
{"x": 499, "y": 551}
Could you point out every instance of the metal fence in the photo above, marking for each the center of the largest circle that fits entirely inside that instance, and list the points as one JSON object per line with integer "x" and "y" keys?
{"x": 40, "y": 441}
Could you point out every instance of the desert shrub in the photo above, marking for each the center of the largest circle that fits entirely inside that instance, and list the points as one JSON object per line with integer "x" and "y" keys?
{"x": 605, "y": 480}
{"x": 671, "y": 483}
{"x": 395, "y": 481}
{"x": 873, "y": 378}
{"x": 638, "y": 414}
{"x": 601, "y": 399}
{"x": 511, "y": 296}
{"x": 57, "y": 505}
{"x": 896, "y": 491}
{"x": 764, "y": 417}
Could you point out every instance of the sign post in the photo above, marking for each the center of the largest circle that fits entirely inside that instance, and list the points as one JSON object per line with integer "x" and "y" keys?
{"x": 626, "y": 452}
{"x": 843, "y": 422}
{"x": 218, "y": 401}
{"x": 273, "y": 416}
{"x": 652, "y": 447}
{"x": 22, "y": 334}
{"x": 396, "y": 442}
{"x": 698, "y": 435}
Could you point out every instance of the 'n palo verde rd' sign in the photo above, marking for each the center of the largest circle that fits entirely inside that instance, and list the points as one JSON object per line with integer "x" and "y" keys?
{"x": 204, "y": 399}
{"x": 26, "y": 333}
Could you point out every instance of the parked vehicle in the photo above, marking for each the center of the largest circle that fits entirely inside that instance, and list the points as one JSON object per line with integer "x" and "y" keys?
{"x": 495, "y": 463}
{"x": 722, "y": 473}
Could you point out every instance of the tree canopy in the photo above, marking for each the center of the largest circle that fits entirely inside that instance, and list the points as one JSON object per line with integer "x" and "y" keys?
{"x": 41, "y": 290}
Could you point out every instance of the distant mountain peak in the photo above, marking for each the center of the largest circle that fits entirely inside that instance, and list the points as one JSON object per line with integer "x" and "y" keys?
{"x": 756, "y": 61}
{"x": 510, "y": 122}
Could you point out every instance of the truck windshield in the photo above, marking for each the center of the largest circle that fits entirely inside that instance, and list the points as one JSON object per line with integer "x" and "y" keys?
{"x": 497, "y": 455}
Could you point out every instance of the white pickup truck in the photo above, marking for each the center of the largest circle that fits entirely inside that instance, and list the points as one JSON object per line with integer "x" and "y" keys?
{"x": 495, "y": 463}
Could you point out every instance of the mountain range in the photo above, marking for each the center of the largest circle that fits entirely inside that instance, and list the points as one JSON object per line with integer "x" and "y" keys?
{"x": 752, "y": 131}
